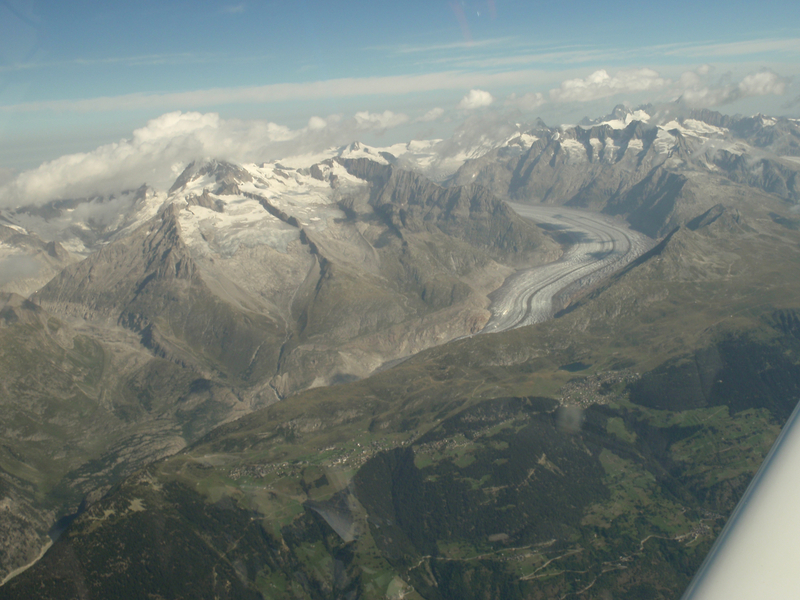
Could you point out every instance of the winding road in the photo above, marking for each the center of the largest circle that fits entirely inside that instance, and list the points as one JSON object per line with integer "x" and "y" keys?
{"x": 600, "y": 247}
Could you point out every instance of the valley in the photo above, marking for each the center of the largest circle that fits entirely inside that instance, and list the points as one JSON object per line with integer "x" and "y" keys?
{"x": 272, "y": 381}
{"x": 596, "y": 247}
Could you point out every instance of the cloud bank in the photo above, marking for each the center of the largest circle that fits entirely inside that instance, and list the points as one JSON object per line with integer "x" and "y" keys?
{"x": 432, "y": 115}
{"x": 530, "y": 101}
{"x": 697, "y": 88}
{"x": 157, "y": 153}
{"x": 475, "y": 99}
{"x": 397, "y": 85}
{"x": 602, "y": 85}
{"x": 379, "y": 121}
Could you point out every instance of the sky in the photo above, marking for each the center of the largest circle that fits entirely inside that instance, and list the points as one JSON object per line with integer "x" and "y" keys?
{"x": 114, "y": 90}
{"x": 77, "y": 75}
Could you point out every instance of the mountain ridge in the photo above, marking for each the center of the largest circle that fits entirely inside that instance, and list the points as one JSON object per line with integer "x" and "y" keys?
{"x": 242, "y": 288}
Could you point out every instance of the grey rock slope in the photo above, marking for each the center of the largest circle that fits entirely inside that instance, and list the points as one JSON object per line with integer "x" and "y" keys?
{"x": 395, "y": 264}
{"x": 79, "y": 409}
{"x": 223, "y": 296}
{"x": 241, "y": 285}
{"x": 149, "y": 283}
{"x": 657, "y": 170}
{"x": 414, "y": 204}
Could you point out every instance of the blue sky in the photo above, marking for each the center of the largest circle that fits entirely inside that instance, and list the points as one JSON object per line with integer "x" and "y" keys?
{"x": 74, "y": 75}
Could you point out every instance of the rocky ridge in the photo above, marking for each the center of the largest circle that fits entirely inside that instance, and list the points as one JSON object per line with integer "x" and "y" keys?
{"x": 656, "y": 169}
{"x": 243, "y": 284}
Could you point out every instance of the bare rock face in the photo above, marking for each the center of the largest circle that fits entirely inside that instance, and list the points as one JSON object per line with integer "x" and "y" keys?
{"x": 148, "y": 282}
{"x": 411, "y": 204}
{"x": 190, "y": 319}
{"x": 411, "y": 260}
{"x": 651, "y": 204}
{"x": 207, "y": 201}
{"x": 243, "y": 285}
{"x": 654, "y": 173}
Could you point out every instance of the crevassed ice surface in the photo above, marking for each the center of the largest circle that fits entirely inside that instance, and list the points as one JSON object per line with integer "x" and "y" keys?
{"x": 602, "y": 246}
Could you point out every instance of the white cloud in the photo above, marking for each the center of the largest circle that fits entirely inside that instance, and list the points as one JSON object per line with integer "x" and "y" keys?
{"x": 283, "y": 92}
{"x": 432, "y": 115}
{"x": 316, "y": 123}
{"x": 698, "y": 89}
{"x": 528, "y": 102}
{"x": 475, "y": 99}
{"x": 765, "y": 83}
{"x": 602, "y": 85}
{"x": 379, "y": 121}
{"x": 169, "y": 139}
{"x": 6, "y": 175}
{"x": 156, "y": 153}
{"x": 465, "y": 45}
{"x": 791, "y": 46}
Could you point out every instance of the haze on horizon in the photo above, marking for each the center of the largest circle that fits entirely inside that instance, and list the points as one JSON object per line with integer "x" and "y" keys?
{"x": 77, "y": 76}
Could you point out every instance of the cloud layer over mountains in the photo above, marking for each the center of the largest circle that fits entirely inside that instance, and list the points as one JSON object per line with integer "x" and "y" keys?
{"x": 699, "y": 92}
{"x": 701, "y": 88}
{"x": 159, "y": 151}
{"x": 156, "y": 153}
{"x": 602, "y": 85}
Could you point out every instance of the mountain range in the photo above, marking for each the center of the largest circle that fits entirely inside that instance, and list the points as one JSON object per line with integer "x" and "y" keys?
{"x": 275, "y": 337}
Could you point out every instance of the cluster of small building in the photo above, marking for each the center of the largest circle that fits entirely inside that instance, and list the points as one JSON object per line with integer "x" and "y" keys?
{"x": 262, "y": 470}
{"x": 581, "y": 391}
{"x": 350, "y": 458}
{"x": 596, "y": 388}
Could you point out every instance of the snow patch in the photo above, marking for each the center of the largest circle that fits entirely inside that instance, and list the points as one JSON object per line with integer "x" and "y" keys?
{"x": 636, "y": 145}
{"x": 574, "y": 149}
{"x": 357, "y": 150}
{"x": 664, "y": 141}
{"x": 637, "y": 115}
{"x": 16, "y": 228}
{"x": 526, "y": 139}
{"x": 699, "y": 128}
{"x": 244, "y": 223}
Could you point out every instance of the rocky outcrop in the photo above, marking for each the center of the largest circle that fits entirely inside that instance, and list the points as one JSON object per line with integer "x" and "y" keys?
{"x": 149, "y": 283}
{"x": 206, "y": 200}
{"x": 410, "y": 203}
{"x": 640, "y": 171}
{"x": 225, "y": 175}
